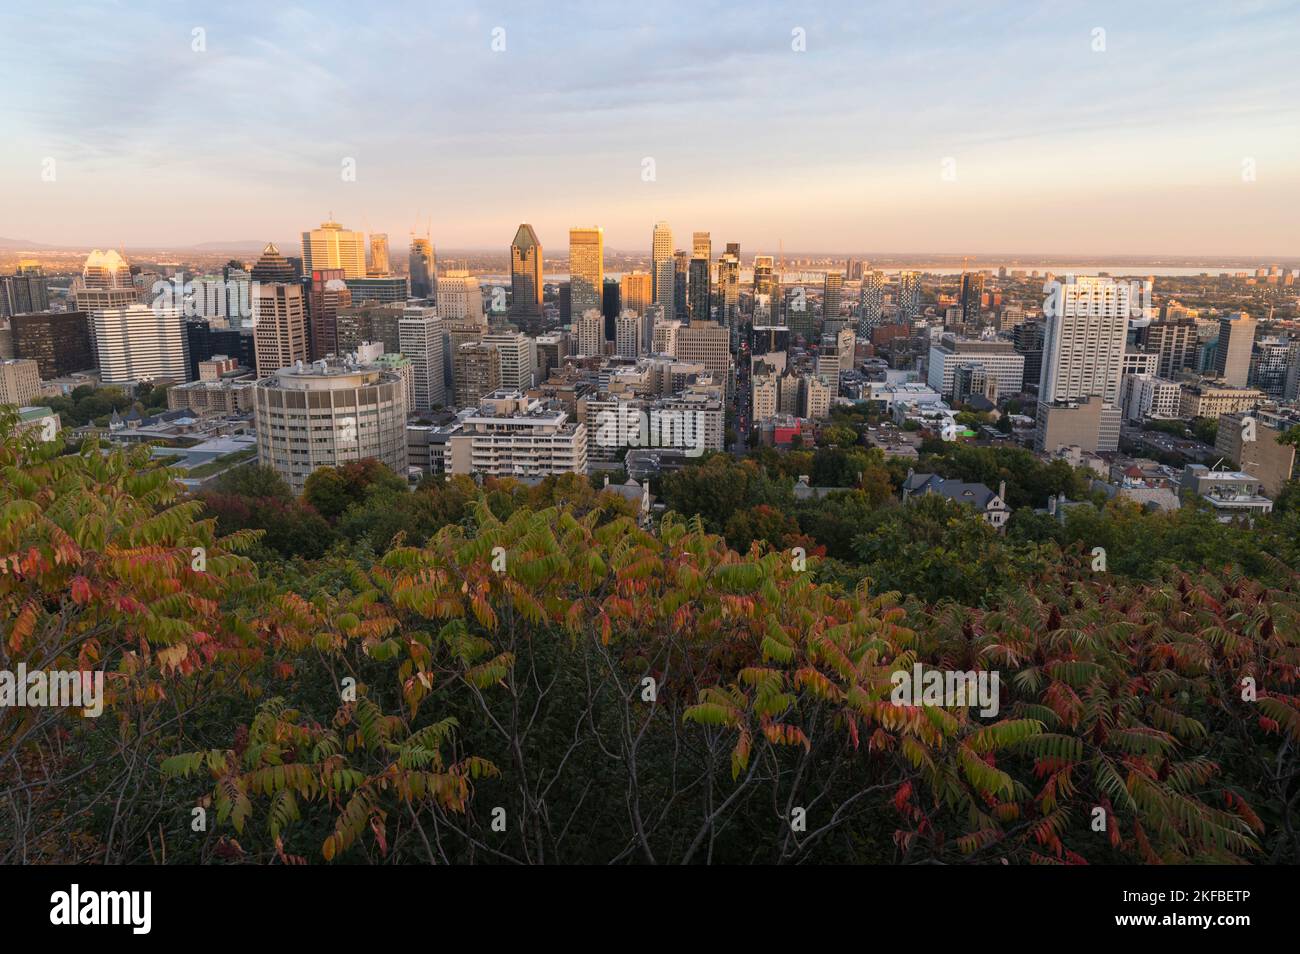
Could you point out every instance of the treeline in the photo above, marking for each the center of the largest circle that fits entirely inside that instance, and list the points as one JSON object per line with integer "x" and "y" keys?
{"x": 504, "y": 674}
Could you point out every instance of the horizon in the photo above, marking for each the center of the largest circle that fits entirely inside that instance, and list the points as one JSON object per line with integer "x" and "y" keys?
{"x": 944, "y": 128}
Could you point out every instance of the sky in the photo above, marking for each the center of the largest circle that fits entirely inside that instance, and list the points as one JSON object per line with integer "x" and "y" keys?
{"x": 959, "y": 127}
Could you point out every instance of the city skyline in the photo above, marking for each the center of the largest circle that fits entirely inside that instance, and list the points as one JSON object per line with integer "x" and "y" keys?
{"x": 1171, "y": 133}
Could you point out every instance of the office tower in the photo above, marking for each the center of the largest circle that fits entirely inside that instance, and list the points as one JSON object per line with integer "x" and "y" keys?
{"x": 1236, "y": 339}
{"x": 707, "y": 343}
{"x": 20, "y": 381}
{"x": 998, "y": 358}
{"x": 729, "y": 289}
{"x": 476, "y": 371}
{"x": 280, "y": 327}
{"x": 59, "y": 342}
{"x": 526, "y": 273}
{"x": 871, "y": 301}
{"x": 370, "y": 323}
{"x": 333, "y": 246}
{"x": 1174, "y": 342}
{"x": 327, "y": 297}
{"x": 832, "y": 293}
{"x": 733, "y": 249}
{"x": 627, "y": 335}
{"x": 589, "y": 332}
{"x": 25, "y": 291}
{"x": 141, "y": 343}
{"x": 271, "y": 266}
{"x": 636, "y": 289}
{"x": 106, "y": 270}
{"x": 460, "y": 298}
{"x": 420, "y": 331}
{"x": 1083, "y": 358}
{"x": 763, "y": 275}
{"x": 1269, "y": 361}
{"x": 563, "y": 300}
{"x": 664, "y": 337}
{"x": 699, "y": 290}
{"x": 970, "y": 296}
{"x": 610, "y": 306}
{"x": 422, "y": 267}
{"x": 681, "y": 270}
{"x": 326, "y": 414}
{"x": 206, "y": 342}
{"x": 586, "y": 269}
{"x": 378, "y": 255}
{"x": 661, "y": 258}
{"x": 1027, "y": 339}
{"x": 909, "y": 296}
{"x": 518, "y": 358}
{"x": 701, "y": 246}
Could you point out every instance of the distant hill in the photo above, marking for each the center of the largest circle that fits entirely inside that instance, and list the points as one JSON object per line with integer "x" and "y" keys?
{"x": 22, "y": 243}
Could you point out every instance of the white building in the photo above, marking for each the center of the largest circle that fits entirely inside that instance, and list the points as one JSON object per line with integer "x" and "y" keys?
{"x": 1145, "y": 396}
{"x": 421, "y": 333}
{"x": 999, "y": 359}
{"x": 459, "y": 297}
{"x": 327, "y": 413}
{"x": 511, "y": 436}
{"x": 518, "y": 358}
{"x": 141, "y": 343}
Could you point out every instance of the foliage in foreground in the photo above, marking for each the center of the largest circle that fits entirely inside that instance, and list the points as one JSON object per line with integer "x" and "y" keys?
{"x": 613, "y": 694}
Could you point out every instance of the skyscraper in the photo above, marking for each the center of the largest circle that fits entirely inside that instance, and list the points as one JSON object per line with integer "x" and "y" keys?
{"x": 141, "y": 343}
{"x": 871, "y": 301}
{"x": 1232, "y": 358}
{"x": 422, "y": 267}
{"x": 1083, "y": 359}
{"x": 271, "y": 266}
{"x": 970, "y": 296}
{"x": 333, "y": 246}
{"x": 701, "y": 246}
{"x": 681, "y": 269}
{"x": 25, "y": 291}
{"x": 661, "y": 258}
{"x": 279, "y": 327}
{"x": 421, "y": 333}
{"x": 586, "y": 269}
{"x": 636, "y": 291}
{"x": 526, "y": 273}
{"x": 459, "y": 297}
{"x": 379, "y": 254}
{"x": 699, "y": 288}
{"x": 327, "y": 295}
{"x": 832, "y": 292}
{"x": 909, "y": 296}
{"x": 589, "y": 332}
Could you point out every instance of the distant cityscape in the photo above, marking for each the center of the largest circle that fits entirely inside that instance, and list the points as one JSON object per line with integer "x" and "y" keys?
{"x": 528, "y": 365}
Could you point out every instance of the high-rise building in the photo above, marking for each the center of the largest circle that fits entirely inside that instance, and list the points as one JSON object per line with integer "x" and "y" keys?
{"x": 1236, "y": 340}
{"x": 141, "y": 343}
{"x": 661, "y": 258}
{"x": 871, "y": 302}
{"x": 832, "y": 292}
{"x": 970, "y": 296}
{"x": 476, "y": 371}
{"x": 379, "y": 255}
{"x": 636, "y": 291}
{"x": 627, "y": 335}
{"x": 729, "y": 290}
{"x": 701, "y": 246}
{"x": 421, "y": 333}
{"x": 909, "y": 296}
{"x": 513, "y": 436}
{"x": 586, "y": 269}
{"x": 25, "y": 291}
{"x": 324, "y": 414}
{"x": 707, "y": 343}
{"x": 589, "y": 332}
{"x": 58, "y": 341}
{"x": 333, "y": 246}
{"x": 526, "y": 273}
{"x": 998, "y": 358}
{"x": 610, "y": 306}
{"x": 327, "y": 296}
{"x": 1083, "y": 359}
{"x": 271, "y": 266}
{"x": 20, "y": 381}
{"x": 699, "y": 289}
{"x": 459, "y": 297}
{"x": 518, "y": 358}
{"x": 1174, "y": 341}
{"x": 681, "y": 271}
{"x": 279, "y": 327}
{"x": 106, "y": 270}
{"x": 422, "y": 268}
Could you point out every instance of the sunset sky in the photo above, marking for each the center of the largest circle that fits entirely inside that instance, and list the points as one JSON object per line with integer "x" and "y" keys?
{"x": 1136, "y": 149}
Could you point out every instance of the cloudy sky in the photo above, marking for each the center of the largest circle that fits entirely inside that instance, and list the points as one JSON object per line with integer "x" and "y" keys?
{"x": 1047, "y": 127}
